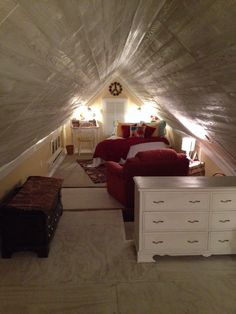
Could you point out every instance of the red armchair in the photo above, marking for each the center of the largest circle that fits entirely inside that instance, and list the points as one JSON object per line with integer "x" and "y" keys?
{"x": 159, "y": 162}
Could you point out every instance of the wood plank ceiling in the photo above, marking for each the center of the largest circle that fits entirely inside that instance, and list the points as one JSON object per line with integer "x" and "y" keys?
{"x": 178, "y": 54}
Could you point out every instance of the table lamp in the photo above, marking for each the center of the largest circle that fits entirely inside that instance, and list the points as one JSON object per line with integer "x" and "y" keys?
{"x": 188, "y": 145}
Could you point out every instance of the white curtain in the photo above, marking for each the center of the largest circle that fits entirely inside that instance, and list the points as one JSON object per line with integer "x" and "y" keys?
{"x": 113, "y": 110}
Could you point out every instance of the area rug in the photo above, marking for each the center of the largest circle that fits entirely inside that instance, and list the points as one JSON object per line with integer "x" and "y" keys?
{"x": 96, "y": 174}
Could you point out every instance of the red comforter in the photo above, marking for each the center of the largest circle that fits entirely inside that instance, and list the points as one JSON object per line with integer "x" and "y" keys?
{"x": 116, "y": 149}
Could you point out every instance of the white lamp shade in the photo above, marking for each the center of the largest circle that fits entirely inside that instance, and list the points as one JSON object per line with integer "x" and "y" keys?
{"x": 188, "y": 144}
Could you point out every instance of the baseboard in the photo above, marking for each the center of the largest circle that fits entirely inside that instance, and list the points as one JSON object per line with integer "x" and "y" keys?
{"x": 57, "y": 163}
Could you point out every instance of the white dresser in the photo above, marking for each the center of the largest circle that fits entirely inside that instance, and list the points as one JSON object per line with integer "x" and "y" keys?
{"x": 184, "y": 216}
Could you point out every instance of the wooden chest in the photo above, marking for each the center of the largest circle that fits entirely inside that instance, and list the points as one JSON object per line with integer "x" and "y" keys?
{"x": 30, "y": 217}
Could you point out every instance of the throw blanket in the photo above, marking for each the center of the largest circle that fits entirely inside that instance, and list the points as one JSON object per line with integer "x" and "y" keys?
{"x": 116, "y": 149}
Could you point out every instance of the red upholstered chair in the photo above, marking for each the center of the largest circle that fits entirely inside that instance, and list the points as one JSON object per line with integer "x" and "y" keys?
{"x": 159, "y": 162}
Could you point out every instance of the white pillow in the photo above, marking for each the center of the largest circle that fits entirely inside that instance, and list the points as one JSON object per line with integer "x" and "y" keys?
{"x": 134, "y": 149}
{"x": 114, "y": 137}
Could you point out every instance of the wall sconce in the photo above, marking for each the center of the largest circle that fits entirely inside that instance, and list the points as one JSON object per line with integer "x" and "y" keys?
{"x": 188, "y": 145}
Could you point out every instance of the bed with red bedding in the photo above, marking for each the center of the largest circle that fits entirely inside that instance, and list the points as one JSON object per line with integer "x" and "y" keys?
{"x": 117, "y": 149}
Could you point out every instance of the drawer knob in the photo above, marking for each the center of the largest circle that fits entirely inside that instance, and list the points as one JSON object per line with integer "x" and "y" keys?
{"x": 157, "y": 221}
{"x": 222, "y": 241}
{"x": 225, "y": 201}
{"x": 193, "y": 241}
{"x": 223, "y": 221}
{"x": 157, "y": 242}
{"x": 158, "y": 202}
{"x": 195, "y": 201}
{"x": 193, "y": 221}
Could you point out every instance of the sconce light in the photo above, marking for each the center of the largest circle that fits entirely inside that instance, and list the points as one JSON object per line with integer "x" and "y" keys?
{"x": 188, "y": 145}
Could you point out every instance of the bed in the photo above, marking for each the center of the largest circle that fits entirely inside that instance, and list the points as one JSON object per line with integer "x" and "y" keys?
{"x": 117, "y": 149}
{"x": 130, "y": 139}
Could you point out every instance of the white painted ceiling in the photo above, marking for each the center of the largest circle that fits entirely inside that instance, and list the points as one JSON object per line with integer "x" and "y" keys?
{"x": 179, "y": 54}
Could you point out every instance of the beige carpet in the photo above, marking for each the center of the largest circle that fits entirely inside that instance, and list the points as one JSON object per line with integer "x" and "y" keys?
{"x": 73, "y": 174}
{"x": 91, "y": 269}
{"x": 88, "y": 198}
{"x": 78, "y": 190}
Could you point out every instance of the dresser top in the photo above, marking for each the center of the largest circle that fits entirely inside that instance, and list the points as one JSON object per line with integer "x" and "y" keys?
{"x": 188, "y": 182}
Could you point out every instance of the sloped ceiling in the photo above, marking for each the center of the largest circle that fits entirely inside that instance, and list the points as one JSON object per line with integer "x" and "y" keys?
{"x": 180, "y": 55}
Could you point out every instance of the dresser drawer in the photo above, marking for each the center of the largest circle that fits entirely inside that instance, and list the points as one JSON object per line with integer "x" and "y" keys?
{"x": 223, "y": 242}
{"x": 224, "y": 201}
{"x": 180, "y": 221}
{"x": 176, "y": 201}
{"x": 223, "y": 221}
{"x": 177, "y": 242}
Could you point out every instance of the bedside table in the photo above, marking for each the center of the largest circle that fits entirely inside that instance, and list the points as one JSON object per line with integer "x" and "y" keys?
{"x": 196, "y": 168}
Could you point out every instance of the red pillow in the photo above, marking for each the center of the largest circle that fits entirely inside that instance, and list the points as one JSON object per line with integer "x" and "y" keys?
{"x": 149, "y": 130}
{"x": 137, "y": 131}
{"x": 125, "y": 131}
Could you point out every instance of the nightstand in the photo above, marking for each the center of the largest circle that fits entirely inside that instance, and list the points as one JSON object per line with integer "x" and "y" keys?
{"x": 196, "y": 168}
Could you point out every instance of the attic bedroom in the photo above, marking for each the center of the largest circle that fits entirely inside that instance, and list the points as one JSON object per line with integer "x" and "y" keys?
{"x": 117, "y": 124}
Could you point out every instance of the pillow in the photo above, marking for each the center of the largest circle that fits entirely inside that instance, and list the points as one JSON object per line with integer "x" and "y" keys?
{"x": 149, "y": 130}
{"x": 134, "y": 149}
{"x": 137, "y": 131}
{"x": 125, "y": 131}
{"x": 160, "y": 128}
{"x": 157, "y": 129}
{"x": 119, "y": 131}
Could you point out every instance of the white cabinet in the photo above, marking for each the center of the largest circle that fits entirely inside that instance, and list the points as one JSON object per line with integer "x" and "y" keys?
{"x": 184, "y": 216}
{"x": 114, "y": 109}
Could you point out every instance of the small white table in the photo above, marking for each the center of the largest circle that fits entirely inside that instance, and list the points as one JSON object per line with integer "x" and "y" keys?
{"x": 90, "y": 132}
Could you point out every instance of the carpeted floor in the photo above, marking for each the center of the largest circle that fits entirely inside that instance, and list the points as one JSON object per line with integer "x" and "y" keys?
{"x": 88, "y": 198}
{"x": 78, "y": 190}
{"x": 91, "y": 269}
{"x": 73, "y": 174}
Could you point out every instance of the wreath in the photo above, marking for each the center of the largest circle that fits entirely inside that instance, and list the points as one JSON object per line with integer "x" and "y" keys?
{"x": 115, "y": 88}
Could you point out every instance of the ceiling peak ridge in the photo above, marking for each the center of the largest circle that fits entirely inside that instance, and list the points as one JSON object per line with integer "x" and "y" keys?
{"x": 105, "y": 82}
{"x": 116, "y": 76}
{"x": 9, "y": 13}
{"x": 129, "y": 52}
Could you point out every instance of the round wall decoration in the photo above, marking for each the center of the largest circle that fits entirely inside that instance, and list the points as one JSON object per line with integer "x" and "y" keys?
{"x": 115, "y": 88}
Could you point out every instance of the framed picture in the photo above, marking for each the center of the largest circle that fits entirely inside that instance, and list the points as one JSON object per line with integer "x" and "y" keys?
{"x": 52, "y": 147}
{"x": 58, "y": 142}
